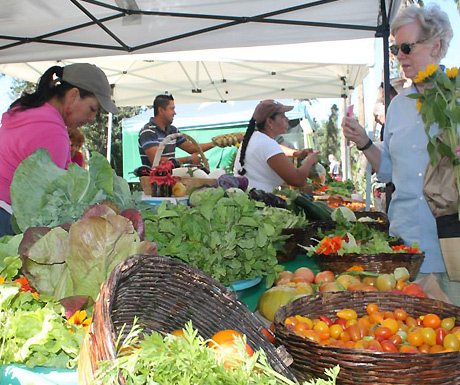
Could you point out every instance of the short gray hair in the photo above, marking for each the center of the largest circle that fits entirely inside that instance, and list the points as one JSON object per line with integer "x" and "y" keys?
{"x": 434, "y": 24}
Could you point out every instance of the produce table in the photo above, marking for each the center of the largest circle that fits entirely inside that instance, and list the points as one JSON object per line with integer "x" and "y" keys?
{"x": 251, "y": 296}
{"x": 22, "y": 375}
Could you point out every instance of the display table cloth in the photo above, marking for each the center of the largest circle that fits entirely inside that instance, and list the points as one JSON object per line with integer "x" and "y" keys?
{"x": 22, "y": 375}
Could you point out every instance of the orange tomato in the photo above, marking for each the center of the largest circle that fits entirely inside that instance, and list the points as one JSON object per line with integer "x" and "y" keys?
{"x": 227, "y": 351}
{"x": 391, "y": 324}
{"x": 224, "y": 336}
{"x": 178, "y": 333}
{"x": 269, "y": 334}
{"x": 431, "y": 321}
{"x": 415, "y": 338}
{"x": 400, "y": 314}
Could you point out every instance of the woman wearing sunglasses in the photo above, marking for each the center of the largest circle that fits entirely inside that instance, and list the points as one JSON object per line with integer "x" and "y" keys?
{"x": 421, "y": 37}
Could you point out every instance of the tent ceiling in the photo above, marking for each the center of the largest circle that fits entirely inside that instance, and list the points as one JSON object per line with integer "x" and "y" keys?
{"x": 64, "y": 29}
{"x": 221, "y": 75}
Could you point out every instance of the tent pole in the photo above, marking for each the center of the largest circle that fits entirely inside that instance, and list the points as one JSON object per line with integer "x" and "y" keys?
{"x": 385, "y": 34}
{"x": 109, "y": 137}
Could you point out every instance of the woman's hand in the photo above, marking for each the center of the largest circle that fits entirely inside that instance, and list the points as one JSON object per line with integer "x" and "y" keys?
{"x": 354, "y": 132}
{"x": 457, "y": 151}
{"x": 302, "y": 153}
{"x": 312, "y": 158}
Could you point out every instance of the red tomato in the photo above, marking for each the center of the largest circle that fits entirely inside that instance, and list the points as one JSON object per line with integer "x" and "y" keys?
{"x": 327, "y": 320}
{"x": 383, "y": 332}
{"x": 387, "y": 346}
{"x": 324, "y": 276}
{"x": 341, "y": 321}
{"x": 440, "y": 334}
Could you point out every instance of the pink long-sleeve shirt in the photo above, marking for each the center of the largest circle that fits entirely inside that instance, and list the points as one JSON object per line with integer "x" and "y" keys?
{"x": 22, "y": 133}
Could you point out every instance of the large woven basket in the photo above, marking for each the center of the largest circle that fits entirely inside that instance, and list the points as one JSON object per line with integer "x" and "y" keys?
{"x": 164, "y": 294}
{"x": 379, "y": 263}
{"x": 365, "y": 367}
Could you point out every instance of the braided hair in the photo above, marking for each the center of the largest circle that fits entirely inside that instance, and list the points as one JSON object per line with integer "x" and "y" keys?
{"x": 47, "y": 88}
{"x": 247, "y": 136}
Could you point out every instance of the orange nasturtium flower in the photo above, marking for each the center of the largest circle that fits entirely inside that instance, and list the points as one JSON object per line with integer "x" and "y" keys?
{"x": 418, "y": 104}
{"x": 329, "y": 245}
{"x": 2, "y": 280}
{"x": 407, "y": 249}
{"x": 79, "y": 319}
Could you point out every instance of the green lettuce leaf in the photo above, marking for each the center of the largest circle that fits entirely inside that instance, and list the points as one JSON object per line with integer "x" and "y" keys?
{"x": 61, "y": 196}
{"x": 77, "y": 262}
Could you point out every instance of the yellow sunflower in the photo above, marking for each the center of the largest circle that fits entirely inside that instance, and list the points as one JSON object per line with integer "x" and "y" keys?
{"x": 452, "y": 72}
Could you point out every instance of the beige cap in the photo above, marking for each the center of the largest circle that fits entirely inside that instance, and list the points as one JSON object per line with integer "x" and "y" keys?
{"x": 92, "y": 79}
{"x": 267, "y": 108}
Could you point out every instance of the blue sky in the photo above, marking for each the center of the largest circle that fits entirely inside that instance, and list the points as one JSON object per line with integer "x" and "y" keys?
{"x": 321, "y": 109}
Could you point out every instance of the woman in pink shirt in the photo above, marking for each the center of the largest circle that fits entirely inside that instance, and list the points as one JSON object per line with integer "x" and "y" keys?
{"x": 65, "y": 97}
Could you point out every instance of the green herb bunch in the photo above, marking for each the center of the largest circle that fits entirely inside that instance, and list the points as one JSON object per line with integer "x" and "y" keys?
{"x": 229, "y": 238}
{"x": 186, "y": 360}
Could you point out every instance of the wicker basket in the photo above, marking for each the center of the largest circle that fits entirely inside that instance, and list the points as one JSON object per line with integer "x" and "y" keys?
{"x": 312, "y": 229}
{"x": 189, "y": 184}
{"x": 291, "y": 247}
{"x": 366, "y": 367}
{"x": 164, "y": 294}
{"x": 379, "y": 263}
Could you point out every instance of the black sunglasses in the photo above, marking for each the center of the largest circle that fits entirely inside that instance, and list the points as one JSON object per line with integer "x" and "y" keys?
{"x": 405, "y": 48}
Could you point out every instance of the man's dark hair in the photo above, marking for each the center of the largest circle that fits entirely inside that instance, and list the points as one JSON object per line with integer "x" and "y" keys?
{"x": 161, "y": 101}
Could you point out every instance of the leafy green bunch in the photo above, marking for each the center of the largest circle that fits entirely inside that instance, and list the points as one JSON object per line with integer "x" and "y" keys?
{"x": 35, "y": 332}
{"x": 229, "y": 238}
{"x": 43, "y": 194}
{"x": 187, "y": 360}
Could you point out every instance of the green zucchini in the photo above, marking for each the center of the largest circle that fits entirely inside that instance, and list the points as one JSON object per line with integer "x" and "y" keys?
{"x": 315, "y": 211}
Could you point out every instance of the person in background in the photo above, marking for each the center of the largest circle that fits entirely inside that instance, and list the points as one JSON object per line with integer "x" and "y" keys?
{"x": 334, "y": 167}
{"x": 65, "y": 97}
{"x": 262, "y": 160}
{"x": 421, "y": 37}
{"x": 77, "y": 139}
{"x": 158, "y": 128}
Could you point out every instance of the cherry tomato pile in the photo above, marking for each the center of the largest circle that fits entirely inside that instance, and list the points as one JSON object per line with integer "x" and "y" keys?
{"x": 378, "y": 330}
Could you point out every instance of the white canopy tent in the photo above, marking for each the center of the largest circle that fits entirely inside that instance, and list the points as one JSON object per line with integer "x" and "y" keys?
{"x": 298, "y": 71}
{"x": 65, "y": 30}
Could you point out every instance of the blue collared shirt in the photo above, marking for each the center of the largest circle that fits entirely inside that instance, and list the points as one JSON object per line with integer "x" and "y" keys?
{"x": 404, "y": 161}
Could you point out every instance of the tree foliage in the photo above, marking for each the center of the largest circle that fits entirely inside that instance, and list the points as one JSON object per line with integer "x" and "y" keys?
{"x": 327, "y": 135}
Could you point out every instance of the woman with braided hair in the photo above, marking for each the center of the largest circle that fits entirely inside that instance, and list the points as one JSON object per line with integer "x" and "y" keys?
{"x": 262, "y": 160}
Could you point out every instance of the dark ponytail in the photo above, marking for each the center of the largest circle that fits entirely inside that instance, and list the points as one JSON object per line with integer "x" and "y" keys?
{"x": 244, "y": 145}
{"x": 48, "y": 86}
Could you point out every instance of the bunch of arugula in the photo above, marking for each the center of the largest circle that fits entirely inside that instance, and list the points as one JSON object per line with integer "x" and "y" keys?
{"x": 187, "y": 361}
{"x": 229, "y": 238}
{"x": 34, "y": 332}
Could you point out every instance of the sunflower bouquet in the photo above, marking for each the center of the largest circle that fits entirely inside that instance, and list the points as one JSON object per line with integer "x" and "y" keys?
{"x": 439, "y": 103}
